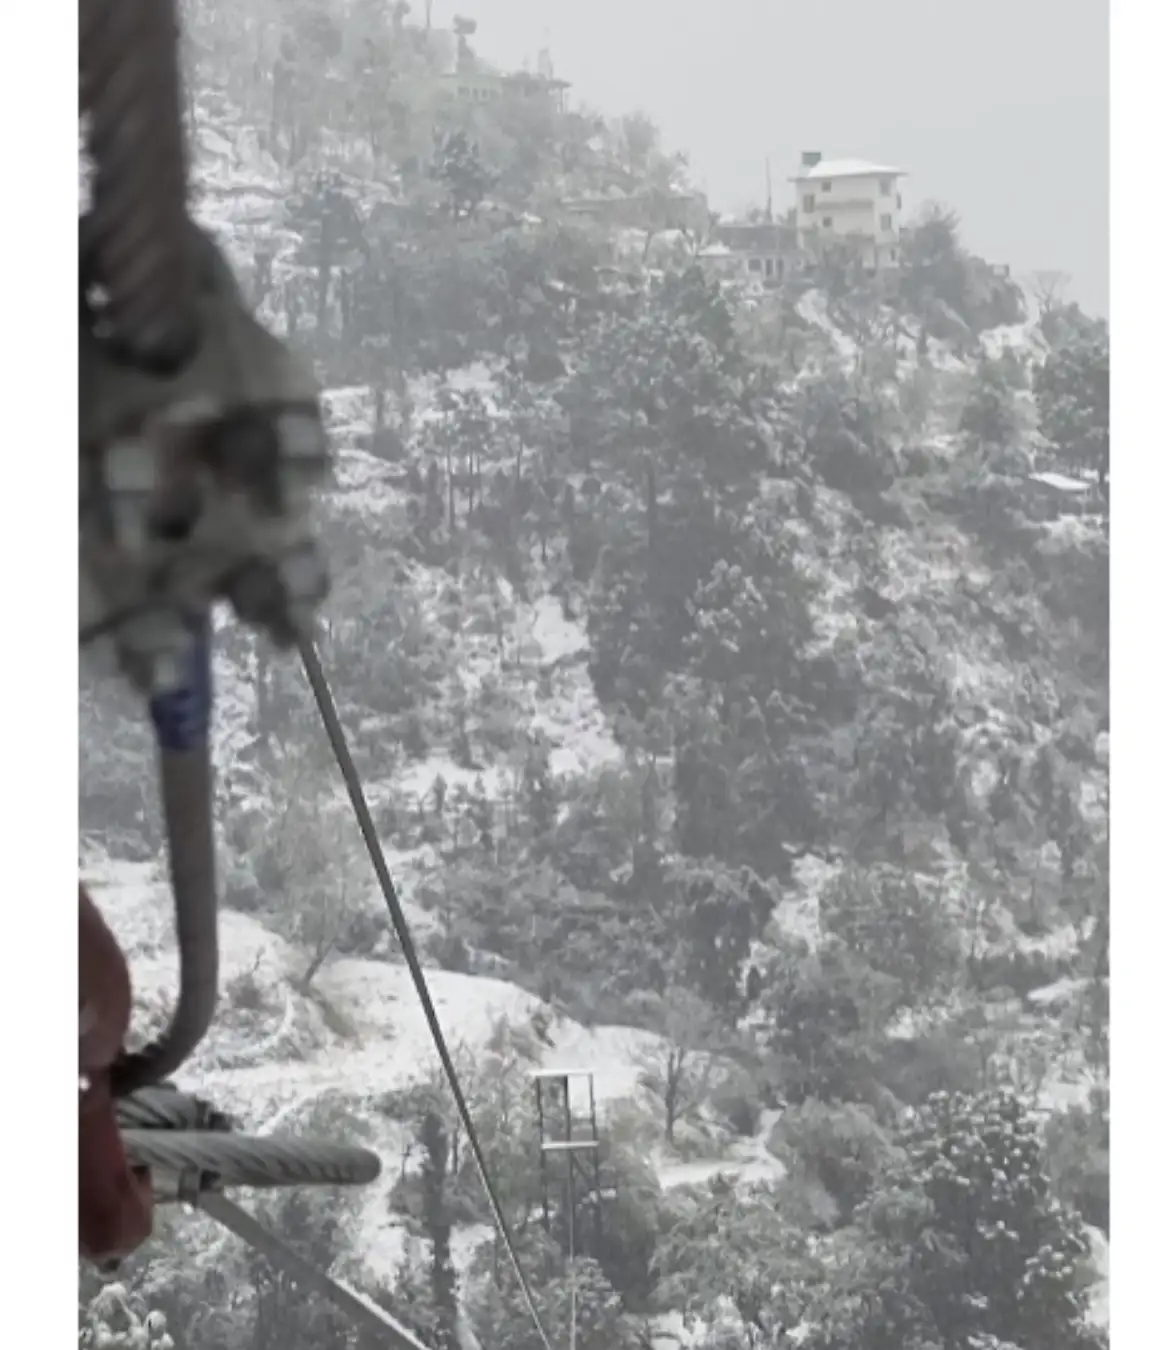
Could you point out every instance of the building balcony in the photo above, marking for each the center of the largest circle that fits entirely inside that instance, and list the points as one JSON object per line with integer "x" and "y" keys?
{"x": 842, "y": 203}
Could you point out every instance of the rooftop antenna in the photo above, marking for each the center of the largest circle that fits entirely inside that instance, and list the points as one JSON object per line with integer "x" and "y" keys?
{"x": 430, "y": 3}
{"x": 768, "y": 190}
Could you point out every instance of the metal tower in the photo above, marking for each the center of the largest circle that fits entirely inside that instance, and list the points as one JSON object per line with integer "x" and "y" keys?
{"x": 568, "y": 1133}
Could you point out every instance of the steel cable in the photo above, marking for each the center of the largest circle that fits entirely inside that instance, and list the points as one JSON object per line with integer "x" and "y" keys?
{"x": 138, "y": 245}
{"x": 168, "y": 1130}
{"x": 348, "y": 1300}
{"x": 166, "y": 1108}
{"x": 245, "y": 1160}
{"x": 337, "y": 739}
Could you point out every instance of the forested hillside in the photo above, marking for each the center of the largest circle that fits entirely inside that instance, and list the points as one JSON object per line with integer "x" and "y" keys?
{"x": 728, "y": 670}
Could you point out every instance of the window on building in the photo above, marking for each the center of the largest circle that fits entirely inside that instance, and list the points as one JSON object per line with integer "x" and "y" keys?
{"x": 769, "y": 267}
{"x": 899, "y": 201}
{"x": 887, "y": 222}
{"x": 887, "y": 186}
{"x": 827, "y": 223}
{"x": 827, "y": 185}
{"x": 753, "y": 264}
{"x": 810, "y": 203}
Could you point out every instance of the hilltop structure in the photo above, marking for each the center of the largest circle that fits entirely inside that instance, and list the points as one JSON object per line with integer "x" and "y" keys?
{"x": 850, "y": 201}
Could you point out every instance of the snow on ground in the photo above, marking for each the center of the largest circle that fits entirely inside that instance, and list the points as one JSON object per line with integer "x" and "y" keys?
{"x": 748, "y": 1161}
{"x": 1060, "y": 993}
{"x": 798, "y": 914}
{"x": 555, "y": 637}
{"x": 348, "y": 403}
{"x": 362, "y": 482}
{"x": 669, "y": 1331}
{"x": 1061, "y": 482}
{"x": 1099, "y": 1299}
{"x": 1024, "y": 339}
{"x": 614, "y": 1055}
{"x": 813, "y": 308}
{"x": 276, "y": 1059}
{"x": 417, "y": 780}
{"x": 476, "y": 377}
{"x": 525, "y": 657}
{"x": 535, "y": 659}
{"x": 239, "y": 190}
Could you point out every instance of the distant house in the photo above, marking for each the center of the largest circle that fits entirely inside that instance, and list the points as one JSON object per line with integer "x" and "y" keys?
{"x": 746, "y": 250}
{"x": 458, "y": 79}
{"x": 849, "y": 201}
{"x": 481, "y": 85}
{"x": 644, "y": 210}
{"x": 1056, "y": 494}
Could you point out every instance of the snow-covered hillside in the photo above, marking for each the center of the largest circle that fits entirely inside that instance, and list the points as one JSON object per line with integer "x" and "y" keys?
{"x": 726, "y": 696}
{"x": 278, "y": 1059}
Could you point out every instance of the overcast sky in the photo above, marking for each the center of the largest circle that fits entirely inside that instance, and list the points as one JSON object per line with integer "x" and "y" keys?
{"x": 997, "y": 107}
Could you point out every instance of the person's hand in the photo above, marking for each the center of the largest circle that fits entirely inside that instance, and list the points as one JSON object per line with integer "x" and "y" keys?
{"x": 115, "y": 1207}
{"x": 115, "y": 1210}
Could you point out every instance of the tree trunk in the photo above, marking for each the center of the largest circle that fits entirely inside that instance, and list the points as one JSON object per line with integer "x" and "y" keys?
{"x": 320, "y": 956}
{"x": 450, "y": 495}
{"x": 437, "y": 1221}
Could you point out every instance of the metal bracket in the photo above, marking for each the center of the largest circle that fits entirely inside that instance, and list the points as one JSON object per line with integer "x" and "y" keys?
{"x": 195, "y": 486}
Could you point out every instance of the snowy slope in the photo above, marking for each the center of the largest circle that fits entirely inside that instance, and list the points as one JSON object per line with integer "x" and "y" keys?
{"x": 283, "y": 1060}
{"x": 279, "y": 1060}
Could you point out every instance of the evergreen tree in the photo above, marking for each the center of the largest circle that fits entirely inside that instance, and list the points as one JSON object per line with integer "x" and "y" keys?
{"x": 963, "y": 1240}
{"x": 1072, "y": 395}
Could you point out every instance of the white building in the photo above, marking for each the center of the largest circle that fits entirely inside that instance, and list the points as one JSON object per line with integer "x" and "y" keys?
{"x": 850, "y": 201}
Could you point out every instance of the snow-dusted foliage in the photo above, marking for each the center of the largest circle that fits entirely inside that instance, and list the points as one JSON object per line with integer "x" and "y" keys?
{"x": 727, "y": 667}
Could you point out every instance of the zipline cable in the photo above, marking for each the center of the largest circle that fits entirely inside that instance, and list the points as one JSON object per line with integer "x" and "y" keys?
{"x": 349, "y": 1301}
{"x": 337, "y": 740}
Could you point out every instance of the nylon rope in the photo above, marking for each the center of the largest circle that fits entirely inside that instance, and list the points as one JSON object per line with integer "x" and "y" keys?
{"x": 340, "y": 746}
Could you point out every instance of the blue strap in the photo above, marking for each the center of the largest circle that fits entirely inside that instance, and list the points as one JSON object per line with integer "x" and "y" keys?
{"x": 182, "y": 716}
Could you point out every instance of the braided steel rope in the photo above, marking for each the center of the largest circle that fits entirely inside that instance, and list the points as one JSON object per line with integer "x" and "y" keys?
{"x": 166, "y": 1108}
{"x": 245, "y": 1160}
{"x": 349, "y": 1301}
{"x": 168, "y": 1131}
{"x": 138, "y": 247}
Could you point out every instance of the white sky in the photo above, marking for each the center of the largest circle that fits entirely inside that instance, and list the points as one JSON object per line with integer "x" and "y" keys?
{"x": 997, "y": 107}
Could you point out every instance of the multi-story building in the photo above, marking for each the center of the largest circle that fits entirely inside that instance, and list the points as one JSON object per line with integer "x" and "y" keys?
{"x": 851, "y": 202}
{"x": 760, "y": 251}
{"x": 450, "y": 83}
{"x": 468, "y": 79}
{"x": 482, "y": 85}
